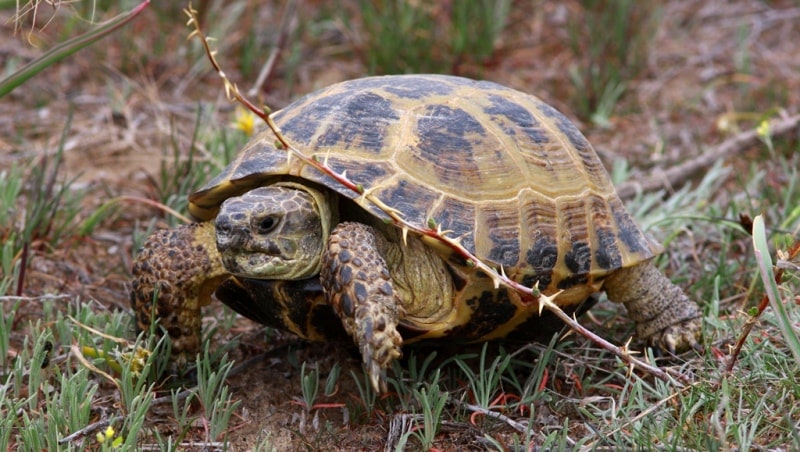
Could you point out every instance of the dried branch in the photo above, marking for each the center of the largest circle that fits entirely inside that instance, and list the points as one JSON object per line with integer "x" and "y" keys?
{"x": 678, "y": 175}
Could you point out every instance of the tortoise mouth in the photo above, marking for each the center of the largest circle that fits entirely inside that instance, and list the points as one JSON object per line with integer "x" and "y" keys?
{"x": 259, "y": 265}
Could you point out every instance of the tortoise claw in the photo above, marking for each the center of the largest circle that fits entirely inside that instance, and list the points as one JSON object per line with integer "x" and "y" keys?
{"x": 378, "y": 349}
{"x": 679, "y": 337}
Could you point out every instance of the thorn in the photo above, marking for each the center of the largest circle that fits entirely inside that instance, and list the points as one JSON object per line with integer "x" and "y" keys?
{"x": 535, "y": 289}
{"x": 548, "y": 301}
{"x": 442, "y": 233}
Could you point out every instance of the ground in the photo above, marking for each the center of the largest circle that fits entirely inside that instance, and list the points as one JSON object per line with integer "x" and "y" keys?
{"x": 709, "y": 71}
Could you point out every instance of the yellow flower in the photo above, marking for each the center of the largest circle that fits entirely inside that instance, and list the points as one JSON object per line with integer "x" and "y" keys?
{"x": 763, "y": 129}
{"x": 245, "y": 121}
{"x": 106, "y": 435}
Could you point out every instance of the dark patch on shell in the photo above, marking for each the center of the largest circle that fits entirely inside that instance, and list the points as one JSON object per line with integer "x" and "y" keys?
{"x": 410, "y": 198}
{"x": 607, "y": 253}
{"x": 339, "y": 120}
{"x": 360, "y": 120}
{"x": 579, "y": 262}
{"x": 444, "y": 134}
{"x": 458, "y": 217}
{"x": 579, "y": 258}
{"x": 566, "y": 127}
{"x": 541, "y": 259}
{"x": 505, "y": 240}
{"x": 629, "y": 233}
{"x": 503, "y": 108}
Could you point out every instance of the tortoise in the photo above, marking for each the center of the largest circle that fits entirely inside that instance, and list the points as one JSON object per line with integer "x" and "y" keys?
{"x": 508, "y": 176}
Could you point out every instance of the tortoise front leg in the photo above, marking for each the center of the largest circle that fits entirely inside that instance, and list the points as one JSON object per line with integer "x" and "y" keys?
{"x": 358, "y": 284}
{"x": 174, "y": 274}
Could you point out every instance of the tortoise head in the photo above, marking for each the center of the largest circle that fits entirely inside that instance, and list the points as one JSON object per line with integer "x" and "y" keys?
{"x": 274, "y": 232}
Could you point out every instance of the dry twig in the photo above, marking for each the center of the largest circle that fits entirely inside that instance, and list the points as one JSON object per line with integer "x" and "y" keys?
{"x": 678, "y": 175}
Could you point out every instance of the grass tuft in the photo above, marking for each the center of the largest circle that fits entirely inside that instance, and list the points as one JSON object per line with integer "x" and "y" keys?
{"x": 611, "y": 41}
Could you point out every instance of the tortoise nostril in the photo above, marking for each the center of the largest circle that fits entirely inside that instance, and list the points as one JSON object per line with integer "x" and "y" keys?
{"x": 223, "y": 225}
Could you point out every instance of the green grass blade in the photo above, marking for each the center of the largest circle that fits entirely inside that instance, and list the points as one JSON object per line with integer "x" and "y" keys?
{"x": 66, "y": 49}
{"x": 764, "y": 261}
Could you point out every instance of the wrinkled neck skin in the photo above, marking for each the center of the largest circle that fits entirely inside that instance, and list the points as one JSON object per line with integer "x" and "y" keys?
{"x": 274, "y": 232}
{"x": 420, "y": 276}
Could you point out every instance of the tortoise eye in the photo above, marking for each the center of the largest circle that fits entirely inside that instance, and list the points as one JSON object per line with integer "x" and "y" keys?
{"x": 267, "y": 224}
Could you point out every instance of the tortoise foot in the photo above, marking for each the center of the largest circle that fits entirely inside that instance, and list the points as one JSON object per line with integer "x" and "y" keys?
{"x": 678, "y": 337}
{"x": 379, "y": 343}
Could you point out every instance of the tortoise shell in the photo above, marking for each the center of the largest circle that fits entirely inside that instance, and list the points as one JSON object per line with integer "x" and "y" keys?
{"x": 506, "y": 173}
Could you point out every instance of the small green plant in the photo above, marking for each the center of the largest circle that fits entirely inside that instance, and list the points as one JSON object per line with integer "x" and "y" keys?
{"x": 214, "y": 395}
{"x": 410, "y": 376}
{"x": 432, "y": 401}
{"x": 309, "y": 403}
{"x": 310, "y": 387}
{"x": 486, "y": 382}
{"x": 367, "y": 397}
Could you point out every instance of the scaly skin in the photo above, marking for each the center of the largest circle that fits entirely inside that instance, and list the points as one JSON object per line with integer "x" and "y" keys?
{"x": 179, "y": 268}
{"x": 664, "y": 315}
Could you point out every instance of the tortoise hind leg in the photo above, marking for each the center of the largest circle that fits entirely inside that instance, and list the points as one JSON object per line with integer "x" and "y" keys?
{"x": 358, "y": 285}
{"x": 664, "y": 315}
